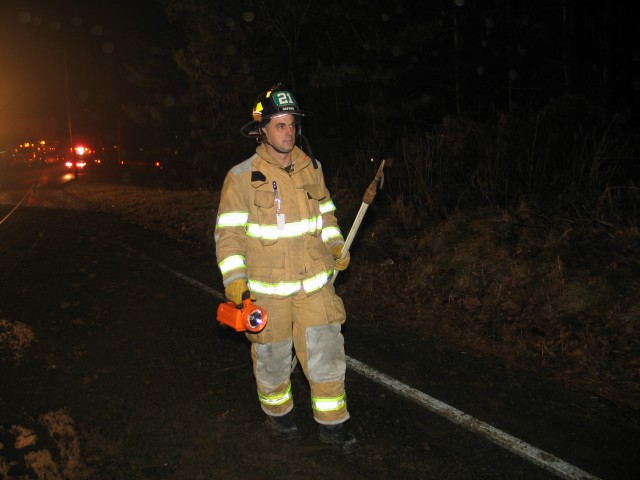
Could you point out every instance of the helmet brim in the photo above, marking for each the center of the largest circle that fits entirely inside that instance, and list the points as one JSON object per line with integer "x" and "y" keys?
{"x": 252, "y": 129}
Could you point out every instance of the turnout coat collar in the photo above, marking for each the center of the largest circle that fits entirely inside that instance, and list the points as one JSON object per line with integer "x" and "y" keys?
{"x": 299, "y": 159}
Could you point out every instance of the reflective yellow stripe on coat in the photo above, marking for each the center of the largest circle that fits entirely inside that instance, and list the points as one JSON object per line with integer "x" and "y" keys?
{"x": 290, "y": 230}
{"x": 284, "y": 289}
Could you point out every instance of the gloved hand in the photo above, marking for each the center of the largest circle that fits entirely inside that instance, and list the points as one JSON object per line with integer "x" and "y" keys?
{"x": 341, "y": 263}
{"x": 236, "y": 289}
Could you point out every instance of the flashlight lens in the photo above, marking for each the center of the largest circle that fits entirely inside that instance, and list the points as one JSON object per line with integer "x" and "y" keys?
{"x": 255, "y": 319}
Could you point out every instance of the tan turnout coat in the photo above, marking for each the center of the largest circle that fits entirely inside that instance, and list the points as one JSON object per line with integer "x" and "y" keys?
{"x": 276, "y": 256}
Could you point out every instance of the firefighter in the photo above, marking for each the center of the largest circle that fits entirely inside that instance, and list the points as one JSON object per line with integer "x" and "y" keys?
{"x": 278, "y": 240}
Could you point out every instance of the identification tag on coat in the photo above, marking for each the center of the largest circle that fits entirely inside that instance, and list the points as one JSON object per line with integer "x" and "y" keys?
{"x": 280, "y": 221}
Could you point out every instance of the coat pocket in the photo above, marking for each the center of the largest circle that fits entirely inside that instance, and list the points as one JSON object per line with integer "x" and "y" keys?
{"x": 264, "y": 200}
{"x": 265, "y": 217}
{"x": 312, "y": 196}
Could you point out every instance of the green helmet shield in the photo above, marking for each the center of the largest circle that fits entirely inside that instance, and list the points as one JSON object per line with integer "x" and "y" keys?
{"x": 274, "y": 102}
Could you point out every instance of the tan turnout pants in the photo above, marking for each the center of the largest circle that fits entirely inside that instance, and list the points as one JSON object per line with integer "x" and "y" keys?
{"x": 310, "y": 324}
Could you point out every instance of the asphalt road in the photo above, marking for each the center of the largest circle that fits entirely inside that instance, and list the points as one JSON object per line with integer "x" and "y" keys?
{"x": 127, "y": 345}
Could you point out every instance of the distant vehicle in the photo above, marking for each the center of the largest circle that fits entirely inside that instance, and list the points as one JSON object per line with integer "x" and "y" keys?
{"x": 140, "y": 159}
{"x": 77, "y": 163}
{"x": 141, "y": 163}
{"x": 35, "y": 154}
{"x": 80, "y": 157}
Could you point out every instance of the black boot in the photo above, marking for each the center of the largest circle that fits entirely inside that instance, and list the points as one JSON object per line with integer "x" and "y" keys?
{"x": 283, "y": 427}
{"x": 339, "y": 436}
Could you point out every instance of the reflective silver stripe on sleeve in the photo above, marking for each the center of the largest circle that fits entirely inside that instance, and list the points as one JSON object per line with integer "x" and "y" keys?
{"x": 231, "y": 263}
{"x": 329, "y": 233}
{"x": 327, "y": 207}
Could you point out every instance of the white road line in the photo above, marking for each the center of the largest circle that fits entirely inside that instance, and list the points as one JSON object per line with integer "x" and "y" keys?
{"x": 29, "y": 192}
{"x": 515, "y": 445}
{"x": 182, "y": 276}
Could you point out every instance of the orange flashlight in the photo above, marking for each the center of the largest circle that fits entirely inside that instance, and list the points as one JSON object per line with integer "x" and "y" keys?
{"x": 248, "y": 317}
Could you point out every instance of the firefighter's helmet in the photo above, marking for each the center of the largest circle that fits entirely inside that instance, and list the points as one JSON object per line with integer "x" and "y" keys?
{"x": 274, "y": 102}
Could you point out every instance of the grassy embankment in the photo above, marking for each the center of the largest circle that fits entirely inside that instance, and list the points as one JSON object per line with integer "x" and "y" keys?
{"x": 518, "y": 241}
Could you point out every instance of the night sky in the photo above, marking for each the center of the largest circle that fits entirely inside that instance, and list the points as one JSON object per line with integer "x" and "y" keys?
{"x": 116, "y": 52}
{"x": 103, "y": 45}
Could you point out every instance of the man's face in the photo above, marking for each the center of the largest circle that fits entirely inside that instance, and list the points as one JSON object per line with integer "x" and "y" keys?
{"x": 281, "y": 133}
